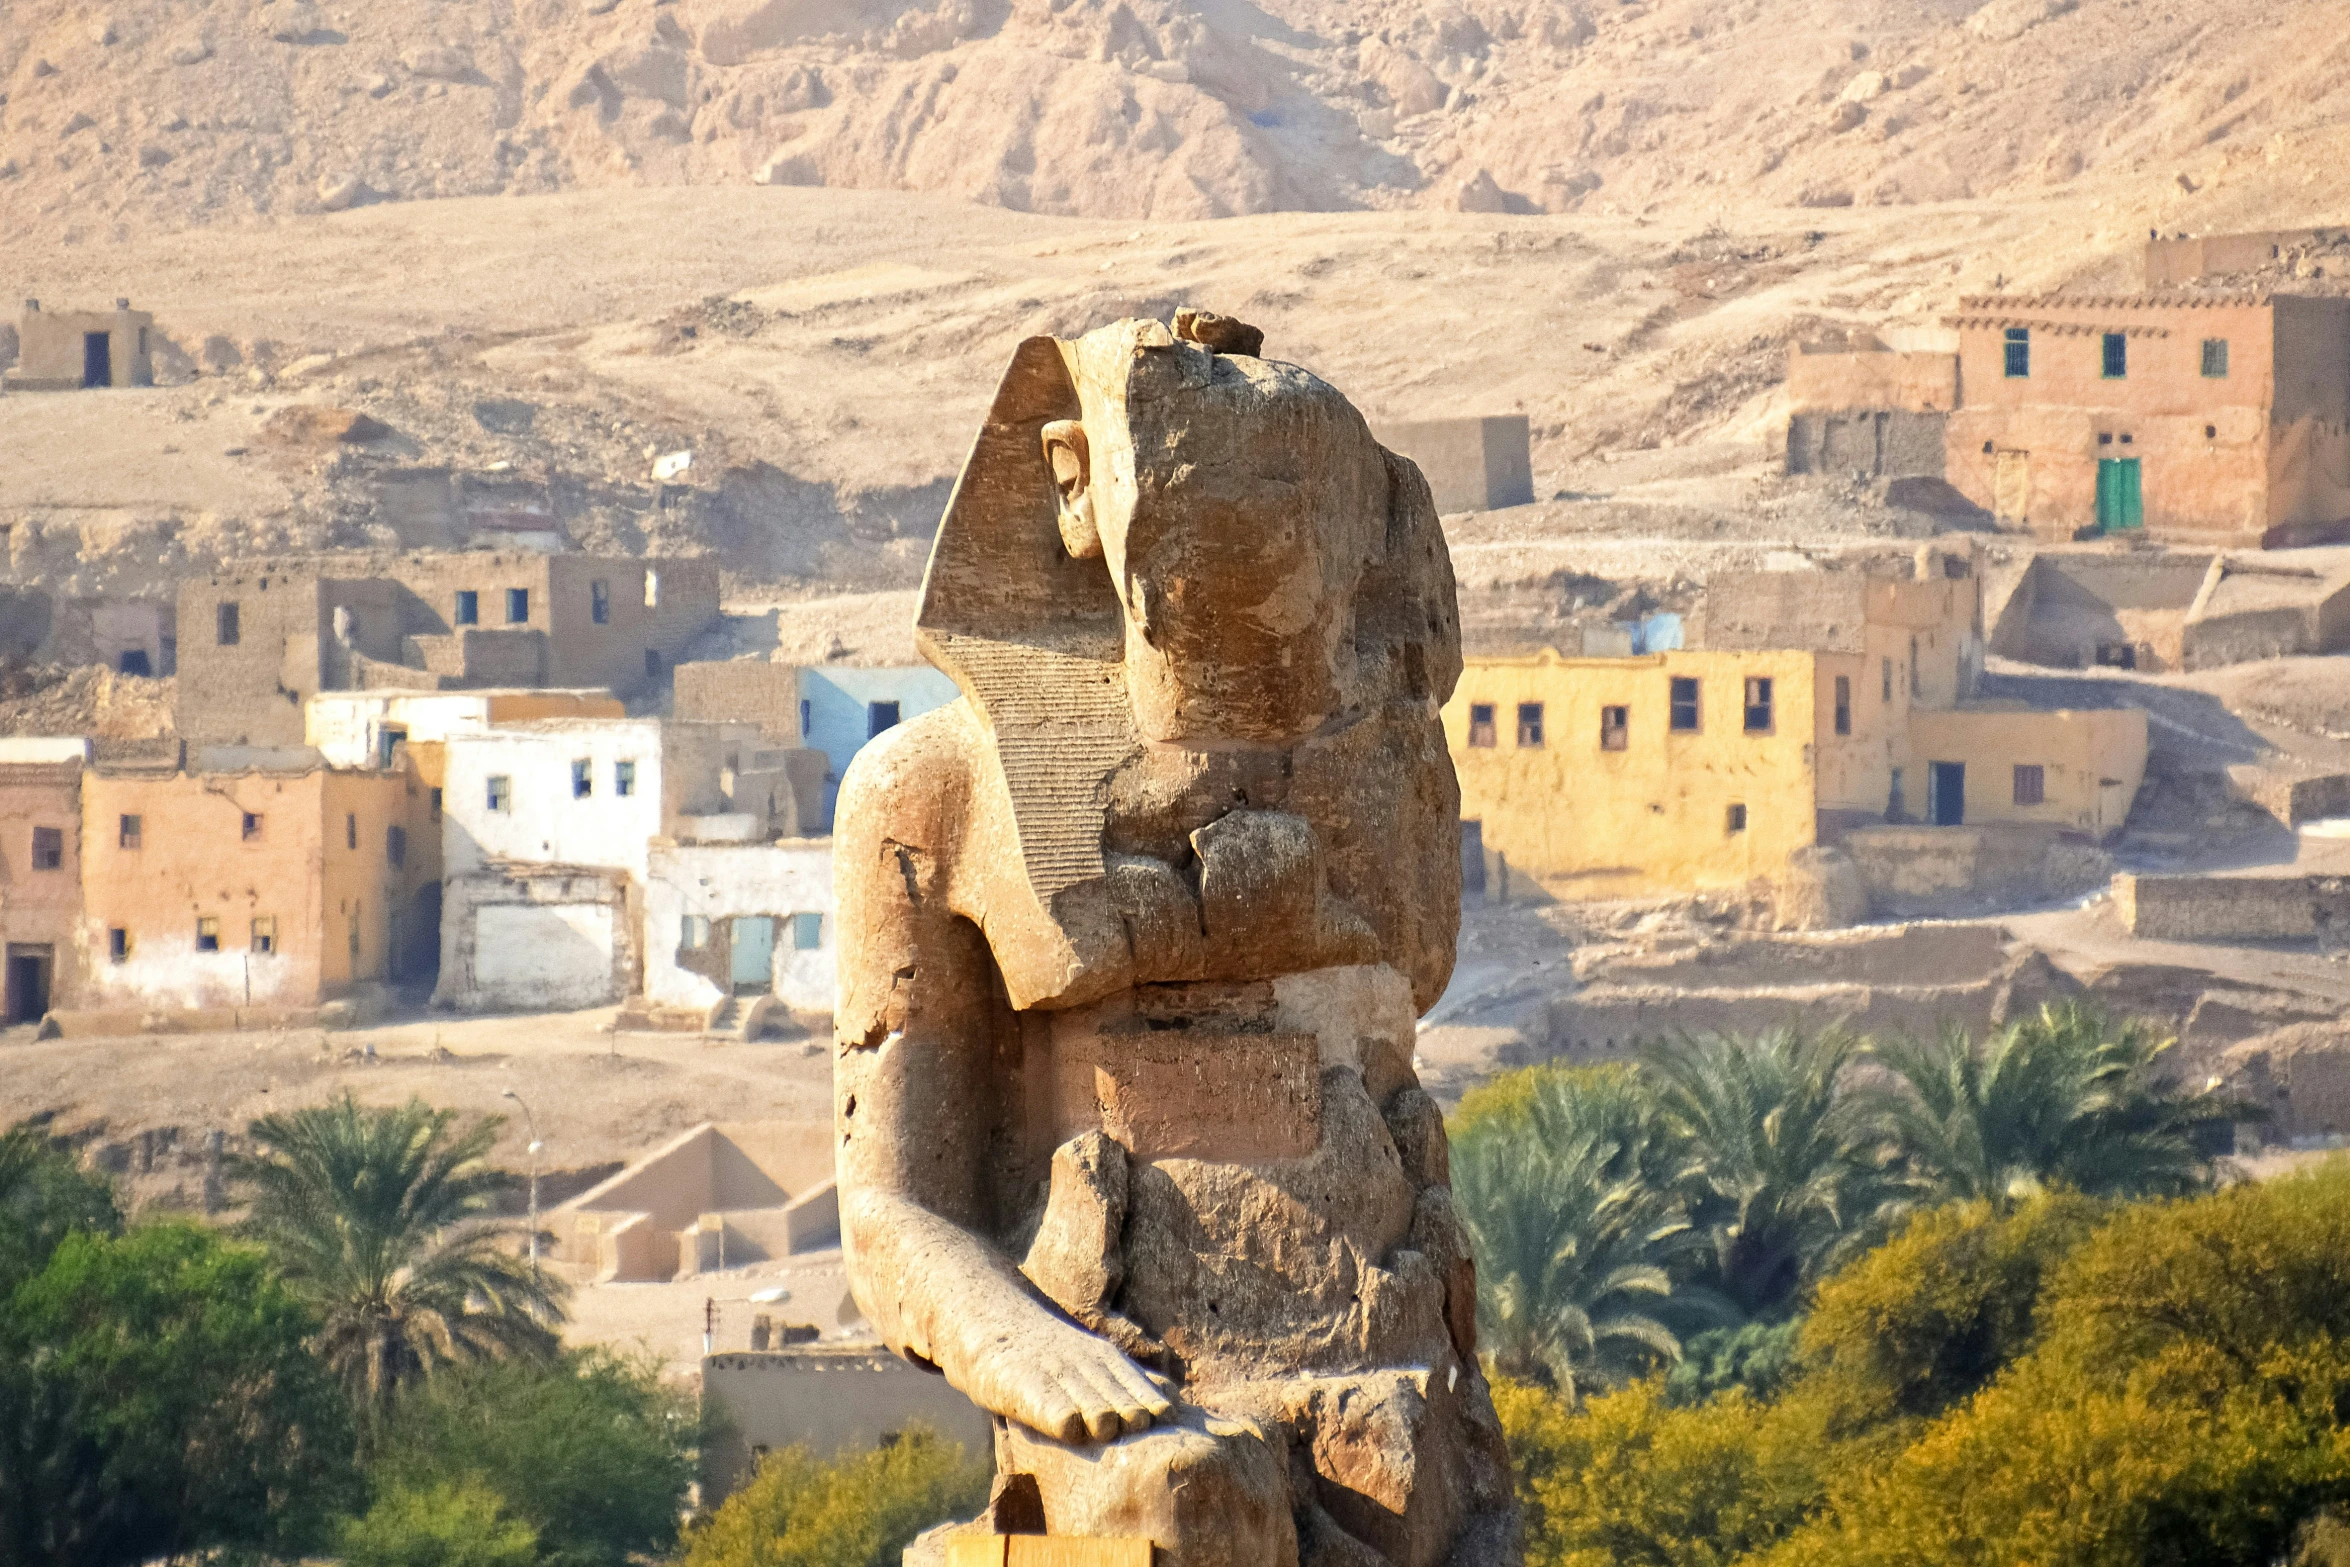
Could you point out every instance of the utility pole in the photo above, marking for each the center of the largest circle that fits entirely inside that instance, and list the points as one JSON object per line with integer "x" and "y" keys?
{"x": 709, "y": 1324}
{"x": 531, "y": 1122}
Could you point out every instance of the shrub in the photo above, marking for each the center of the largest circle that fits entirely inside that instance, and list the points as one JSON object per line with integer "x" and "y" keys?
{"x": 855, "y": 1510}
{"x": 441, "y": 1525}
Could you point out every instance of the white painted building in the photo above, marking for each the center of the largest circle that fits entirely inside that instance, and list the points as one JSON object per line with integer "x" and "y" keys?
{"x": 724, "y": 919}
{"x": 359, "y": 728}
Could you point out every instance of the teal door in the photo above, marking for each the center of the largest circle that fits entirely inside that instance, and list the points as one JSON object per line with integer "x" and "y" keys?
{"x": 753, "y": 966}
{"x": 2120, "y": 506}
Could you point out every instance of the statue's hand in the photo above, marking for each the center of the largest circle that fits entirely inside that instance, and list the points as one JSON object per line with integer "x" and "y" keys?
{"x": 1065, "y": 1382}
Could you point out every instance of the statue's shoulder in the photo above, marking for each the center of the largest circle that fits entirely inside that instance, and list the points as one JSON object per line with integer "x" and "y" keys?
{"x": 910, "y": 778}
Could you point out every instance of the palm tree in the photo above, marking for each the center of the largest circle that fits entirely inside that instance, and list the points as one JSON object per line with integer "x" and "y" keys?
{"x": 1576, "y": 1243}
{"x": 379, "y": 1218}
{"x": 1781, "y": 1166}
{"x": 2062, "y": 1098}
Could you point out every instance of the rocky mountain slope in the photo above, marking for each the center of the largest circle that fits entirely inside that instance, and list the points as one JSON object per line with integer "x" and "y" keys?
{"x": 143, "y": 112}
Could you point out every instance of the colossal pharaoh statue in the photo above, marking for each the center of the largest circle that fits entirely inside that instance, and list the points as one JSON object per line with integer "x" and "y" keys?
{"x": 1134, "y": 939}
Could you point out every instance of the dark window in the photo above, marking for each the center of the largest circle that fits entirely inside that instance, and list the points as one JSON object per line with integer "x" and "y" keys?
{"x": 1481, "y": 725}
{"x": 517, "y": 606}
{"x": 1615, "y": 728}
{"x": 1684, "y": 693}
{"x": 1844, "y": 704}
{"x": 2105, "y": 437}
{"x": 2117, "y": 356}
{"x": 1758, "y": 704}
{"x": 2211, "y": 432}
{"x": 1888, "y": 692}
{"x": 2215, "y": 357}
{"x": 134, "y": 661}
{"x": 207, "y": 934}
{"x": 2019, "y": 352}
{"x": 436, "y": 805}
{"x": 252, "y": 826}
{"x": 118, "y": 944}
{"x": 1530, "y": 725}
{"x": 624, "y": 779}
{"x": 396, "y": 846}
{"x": 127, "y": 833}
{"x": 387, "y": 740}
{"x": 1913, "y": 666}
{"x": 350, "y": 831}
{"x": 583, "y": 778}
{"x": 600, "y": 602}
{"x": 224, "y": 624}
{"x": 880, "y": 716}
{"x": 265, "y": 933}
{"x": 48, "y": 848}
{"x": 652, "y": 665}
{"x": 2117, "y": 655}
{"x": 1735, "y": 820}
{"x": 2031, "y": 785}
{"x": 807, "y": 932}
{"x": 806, "y": 715}
{"x": 468, "y": 607}
{"x": 501, "y": 793}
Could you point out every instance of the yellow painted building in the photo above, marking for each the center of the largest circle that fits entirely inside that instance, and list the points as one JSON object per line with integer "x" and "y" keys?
{"x": 1685, "y": 770}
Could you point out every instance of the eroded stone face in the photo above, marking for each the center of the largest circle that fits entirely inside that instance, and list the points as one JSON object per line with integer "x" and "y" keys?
{"x": 1134, "y": 939}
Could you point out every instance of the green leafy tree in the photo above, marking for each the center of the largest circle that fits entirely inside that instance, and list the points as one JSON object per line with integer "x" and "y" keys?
{"x": 163, "y": 1377}
{"x": 855, "y": 1510}
{"x": 380, "y": 1219}
{"x": 45, "y": 1195}
{"x": 2062, "y": 1098}
{"x": 1781, "y": 1167}
{"x": 462, "y": 1524}
{"x": 1575, "y": 1239}
{"x": 588, "y": 1451}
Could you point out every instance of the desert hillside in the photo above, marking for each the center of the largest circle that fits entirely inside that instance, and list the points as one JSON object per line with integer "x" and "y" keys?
{"x": 169, "y": 112}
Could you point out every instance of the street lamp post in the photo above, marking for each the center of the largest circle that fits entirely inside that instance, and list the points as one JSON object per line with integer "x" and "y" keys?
{"x": 531, "y": 1121}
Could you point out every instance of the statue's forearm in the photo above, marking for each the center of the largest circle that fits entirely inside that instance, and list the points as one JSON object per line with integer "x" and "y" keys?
{"x": 934, "y": 1288}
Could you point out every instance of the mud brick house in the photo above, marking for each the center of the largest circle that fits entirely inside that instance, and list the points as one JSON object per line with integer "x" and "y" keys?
{"x": 69, "y": 350}
{"x": 1858, "y": 405}
{"x": 829, "y": 710}
{"x": 1820, "y": 705}
{"x": 279, "y": 885}
{"x": 259, "y": 638}
{"x": 727, "y": 920}
{"x": 41, "y": 872}
{"x": 2217, "y": 419}
{"x": 1475, "y": 463}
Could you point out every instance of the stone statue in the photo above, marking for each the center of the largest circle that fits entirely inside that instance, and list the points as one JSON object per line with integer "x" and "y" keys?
{"x": 1134, "y": 939}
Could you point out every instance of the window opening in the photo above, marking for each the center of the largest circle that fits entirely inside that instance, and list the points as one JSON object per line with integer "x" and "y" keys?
{"x": 1615, "y": 728}
{"x": 1481, "y": 724}
{"x": 517, "y": 606}
{"x": 694, "y": 933}
{"x": 624, "y": 779}
{"x": 2117, "y": 655}
{"x": 652, "y": 589}
{"x": 252, "y": 826}
{"x": 127, "y": 833}
{"x": 118, "y": 944}
{"x": 224, "y": 625}
{"x": 600, "y": 602}
{"x": 265, "y": 933}
{"x": 2031, "y": 784}
{"x": 1888, "y": 695}
{"x": 436, "y": 805}
{"x": 396, "y": 846}
{"x": 806, "y": 715}
{"x": 1529, "y": 726}
{"x": 134, "y": 661}
{"x": 1844, "y": 704}
{"x": 48, "y": 848}
{"x": 1735, "y": 821}
{"x": 208, "y": 934}
{"x": 807, "y": 932}
{"x": 1913, "y": 667}
{"x": 880, "y": 716}
{"x": 468, "y": 607}
{"x": 583, "y": 778}
{"x": 501, "y": 793}
{"x": 2019, "y": 352}
{"x": 1758, "y": 704}
{"x": 1684, "y": 695}
{"x": 652, "y": 664}
{"x": 2117, "y": 356}
{"x": 2215, "y": 358}
{"x": 350, "y": 830}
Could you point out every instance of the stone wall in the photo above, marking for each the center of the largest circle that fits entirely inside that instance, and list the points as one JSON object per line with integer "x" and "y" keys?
{"x": 1881, "y": 443}
{"x": 2234, "y": 908}
{"x": 538, "y": 939}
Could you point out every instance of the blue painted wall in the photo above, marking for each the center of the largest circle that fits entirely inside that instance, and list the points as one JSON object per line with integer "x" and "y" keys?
{"x": 837, "y": 709}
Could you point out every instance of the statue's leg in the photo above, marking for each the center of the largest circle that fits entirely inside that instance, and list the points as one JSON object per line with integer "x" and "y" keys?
{"x": 1206, "y": 1490}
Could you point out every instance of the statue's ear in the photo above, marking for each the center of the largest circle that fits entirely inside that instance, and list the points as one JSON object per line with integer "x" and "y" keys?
{"x": 1421, "y": 626}
{"x": 1003, "y": 569}
{"x": 1070, "y": 456}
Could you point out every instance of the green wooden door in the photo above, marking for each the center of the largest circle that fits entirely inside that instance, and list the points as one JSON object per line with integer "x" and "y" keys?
{"x": 2120, "y": 503}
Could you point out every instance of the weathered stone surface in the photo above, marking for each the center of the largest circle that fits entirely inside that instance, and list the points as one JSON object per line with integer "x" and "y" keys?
{"x": 1135, "y": 936}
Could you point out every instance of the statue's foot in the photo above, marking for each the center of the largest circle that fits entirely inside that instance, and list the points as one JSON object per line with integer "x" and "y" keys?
{"x": 1069, "y": 1384}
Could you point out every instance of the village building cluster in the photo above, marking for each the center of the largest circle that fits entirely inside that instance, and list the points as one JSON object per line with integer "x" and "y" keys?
{"x": 493, "y": 773}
